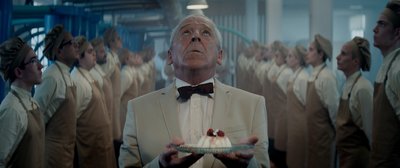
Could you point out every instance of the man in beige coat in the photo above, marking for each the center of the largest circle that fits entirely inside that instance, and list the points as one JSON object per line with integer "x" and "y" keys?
{"x": 153, "y": 129}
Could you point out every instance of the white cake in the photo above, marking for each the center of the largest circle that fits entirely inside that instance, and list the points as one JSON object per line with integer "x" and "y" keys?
{"x": 214, "y": 139}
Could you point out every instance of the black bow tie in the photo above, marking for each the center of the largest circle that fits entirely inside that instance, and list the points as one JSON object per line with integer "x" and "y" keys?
{"x": 186, "y": 92}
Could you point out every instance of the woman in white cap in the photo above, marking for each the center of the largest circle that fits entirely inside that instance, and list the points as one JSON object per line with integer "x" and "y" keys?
{"x": 21, "y": 122}
{"x": 56, "y": 98}
{"x": 354, "y": 119}
{"x": 93, "y": 130}
{"x": 296, "y": 113}
{"x": 321, "y": 105}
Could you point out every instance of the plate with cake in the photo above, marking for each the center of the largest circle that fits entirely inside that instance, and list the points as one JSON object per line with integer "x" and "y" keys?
{"x": 213, "y": 142}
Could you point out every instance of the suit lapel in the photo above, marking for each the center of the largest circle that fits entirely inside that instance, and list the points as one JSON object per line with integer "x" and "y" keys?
{"x": 222, "y": 99}
{"x": 221, "y": 104}
{"x": 169, "y": 108}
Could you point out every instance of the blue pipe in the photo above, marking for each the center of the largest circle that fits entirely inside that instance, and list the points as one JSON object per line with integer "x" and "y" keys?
{"x": 6, "y": 8}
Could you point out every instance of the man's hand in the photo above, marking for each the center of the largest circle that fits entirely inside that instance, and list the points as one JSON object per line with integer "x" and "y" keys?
{"x": 239, "y": 158}
{"x": 169, "y": 158}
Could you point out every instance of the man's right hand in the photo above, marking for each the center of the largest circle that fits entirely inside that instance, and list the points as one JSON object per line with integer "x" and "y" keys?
{"x": 169, "y": 158}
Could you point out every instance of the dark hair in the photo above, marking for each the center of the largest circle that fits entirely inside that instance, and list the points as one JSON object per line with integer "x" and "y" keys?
{"x": 53, "y": 40}
{"x": 109, "y": 36}
{"x": 9, "y": 57}
{"x": 362, "y": 45}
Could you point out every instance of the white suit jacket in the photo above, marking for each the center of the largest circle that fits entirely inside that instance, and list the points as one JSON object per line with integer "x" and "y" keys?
{"x": 152, "y": 122}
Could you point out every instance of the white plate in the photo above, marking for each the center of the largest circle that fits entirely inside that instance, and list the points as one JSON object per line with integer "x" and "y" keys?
{"x": 200, "y": 150}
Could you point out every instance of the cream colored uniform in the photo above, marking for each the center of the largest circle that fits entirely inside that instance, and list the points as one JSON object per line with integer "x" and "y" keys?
{"x": 254, "y": 72}
{"x": 112, "y": 69}
{"x": 360, "y": 102}
{"x": 321, "y": 109}
{"x": 268, "y": 98}
{"x": 105, "y": 84}
{"x": 297, "y": 119}
{"x": 392, "y": 88}
{"x": 21, "y": 130}
{"x": 354, "y": 122}
{"x": 147, "y": 70}
{"x": 94, "y": 131}
{"x": 262, "y": 69}
{"x": 56, "y": 96}
{"x": 278, "y": 105}
{"x": 327, "y": 89}
{"x": 130, "y": 87}
{"x": 385, "y": 147}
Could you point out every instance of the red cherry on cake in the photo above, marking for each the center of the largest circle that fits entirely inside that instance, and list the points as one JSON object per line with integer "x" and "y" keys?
{"x": 220, "y": 133}
{"x": 210, "y": 132}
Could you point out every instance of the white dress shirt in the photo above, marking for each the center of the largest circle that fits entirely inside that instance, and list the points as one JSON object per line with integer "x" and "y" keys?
{"x": 327, "y": 89}
{"x": 361, "y": 102}
{"x": 13, "y": 122}
{"x": 51, "y": 92}
{"x": 392, "y": 87}
{"x": 300, "y": 84}
{"x": 195, "y": 116}
{"x": 83, "y": 88}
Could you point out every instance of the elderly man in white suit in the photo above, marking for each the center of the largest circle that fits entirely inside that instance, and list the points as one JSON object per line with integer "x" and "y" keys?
{"x": 161, "y": 120}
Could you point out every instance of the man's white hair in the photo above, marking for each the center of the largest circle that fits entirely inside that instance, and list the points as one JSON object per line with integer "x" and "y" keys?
{"x": 208, "y": 20}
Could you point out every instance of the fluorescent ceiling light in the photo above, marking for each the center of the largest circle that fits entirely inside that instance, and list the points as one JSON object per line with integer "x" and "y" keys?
{"x": 197, "y": 4}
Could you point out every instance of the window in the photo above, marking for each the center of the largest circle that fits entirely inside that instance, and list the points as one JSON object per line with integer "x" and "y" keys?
{"x": 357, "y": 25}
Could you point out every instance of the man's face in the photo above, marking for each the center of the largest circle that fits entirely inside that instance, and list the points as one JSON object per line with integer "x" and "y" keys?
{"x": 195, "y": 46}
{"x": 345, "y": 61}
{"x": 101, "y": 56}
{"x": 69, "y": 49}
{"x": 279, "y": 58}
{"x": 31, "y": 72}
{"x": 137, "y": 60}
{"x": 385, "y": 35}
{"x": 292, "y": 60}
{"x": 89, "y": 60}
{"x": 313, "y": 56}
{"x": 117, "y": 42}
{"x": 269, "y": 54}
